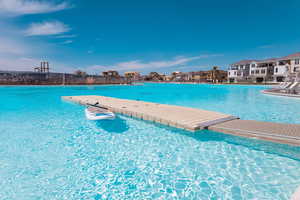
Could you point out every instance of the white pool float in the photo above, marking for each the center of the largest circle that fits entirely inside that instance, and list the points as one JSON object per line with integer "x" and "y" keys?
{"x": 96, "y": 113}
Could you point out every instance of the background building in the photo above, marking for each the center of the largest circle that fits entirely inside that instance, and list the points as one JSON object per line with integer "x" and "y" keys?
{"x": 111, "y": 74}
{"x": 154, "y": 76}
{"x": 271, "y": 70}
{"x": 135, "y": 76}
{"x": 43, "y": 68}
{"x": 211, "y": 76}
{"x": 42, "y": 76}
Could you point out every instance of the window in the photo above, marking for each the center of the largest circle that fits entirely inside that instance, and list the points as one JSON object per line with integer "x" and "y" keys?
{"x": 257, "y": 71}
{"x": 253, "y": 65}
{"x": 228, "y": 73}
{"x": 297, "y": 62}
{"x": 234, "y": 73}
{"x": 252, "y": 71}
{"x": 276, "y": 70}
{"x": 263, "y": 71}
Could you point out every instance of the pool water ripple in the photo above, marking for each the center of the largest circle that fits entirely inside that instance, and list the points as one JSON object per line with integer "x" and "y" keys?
{"x": 48, "y": 150}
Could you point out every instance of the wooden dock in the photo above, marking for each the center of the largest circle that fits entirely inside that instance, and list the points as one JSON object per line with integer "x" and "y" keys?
{"x": 177, "y": 116}
{"x": 192, "y": 119}
{"x": 275, "y": 132}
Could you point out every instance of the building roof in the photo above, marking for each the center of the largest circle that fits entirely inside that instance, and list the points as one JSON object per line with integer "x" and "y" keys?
{"x": 291, "y": 56}
{"x": 111, "y": 71}
{"x": 243, "y": 62}
{"x": 268, "y": 60}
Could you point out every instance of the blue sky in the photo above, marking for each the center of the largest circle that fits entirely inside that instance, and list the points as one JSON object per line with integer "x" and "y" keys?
{"x": 164, "y": 36}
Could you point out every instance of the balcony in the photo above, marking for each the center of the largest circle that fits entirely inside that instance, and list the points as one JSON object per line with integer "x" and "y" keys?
{"x": 233, "y": 68}
{"x": 281, "y": 70}
{"x": 259, "y": 71}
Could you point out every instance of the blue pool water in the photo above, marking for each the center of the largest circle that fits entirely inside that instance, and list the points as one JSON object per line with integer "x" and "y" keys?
{"x": 48, "y": 150}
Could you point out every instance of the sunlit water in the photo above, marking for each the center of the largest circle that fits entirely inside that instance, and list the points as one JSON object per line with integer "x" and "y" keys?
{"x": 48, "y": 150}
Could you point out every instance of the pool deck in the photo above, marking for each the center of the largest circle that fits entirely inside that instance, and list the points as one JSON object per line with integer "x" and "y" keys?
{"x": 192, "y": 119}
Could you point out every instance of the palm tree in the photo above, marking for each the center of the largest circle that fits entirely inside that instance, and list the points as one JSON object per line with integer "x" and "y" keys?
{"x": 215, "y": 74}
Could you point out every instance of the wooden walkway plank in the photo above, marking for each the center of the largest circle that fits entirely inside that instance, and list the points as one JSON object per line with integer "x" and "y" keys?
{"x": 180, "y": 117}
{"x": 192, "y": 119}
{"x": 275, "y": 132}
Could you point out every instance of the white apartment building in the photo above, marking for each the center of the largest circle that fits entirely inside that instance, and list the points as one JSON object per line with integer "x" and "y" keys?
{"x": 271, "y": 70}
{"x": 240, "y": 71}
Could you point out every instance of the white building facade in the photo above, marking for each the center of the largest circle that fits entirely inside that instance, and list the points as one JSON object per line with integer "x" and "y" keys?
{"x": 272, "y": 70}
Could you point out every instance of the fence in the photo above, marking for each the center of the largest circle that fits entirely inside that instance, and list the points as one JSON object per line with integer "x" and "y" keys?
{"x": 37, "y": 78}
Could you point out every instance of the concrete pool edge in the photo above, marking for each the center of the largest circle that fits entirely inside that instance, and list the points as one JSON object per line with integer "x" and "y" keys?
{"x": 276, "y": 92}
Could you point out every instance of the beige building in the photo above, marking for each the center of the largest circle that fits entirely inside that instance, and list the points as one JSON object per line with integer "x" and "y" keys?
{"x": 132, "y": 75}
{"x": 110, "y": 73}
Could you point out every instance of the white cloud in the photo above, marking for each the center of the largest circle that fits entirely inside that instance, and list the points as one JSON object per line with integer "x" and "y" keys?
{"x": 67, "y": 42}
{"x": 193, "y": 67}
{"x": 28, "y": 63}
{"x": 266, "y": 46}
{"x": 18, "y": 63}
{"x": 47, "y": 28}
{"x": 24, "y": 7}
{"x": 23, "y": 53}
{"x": 138, "y": 65}
{"x": 66, "y": 36}
{"x": 12, "y": 46}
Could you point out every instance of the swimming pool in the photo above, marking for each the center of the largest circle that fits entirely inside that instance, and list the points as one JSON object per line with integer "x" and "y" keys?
{"x": 48, "y": 150}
